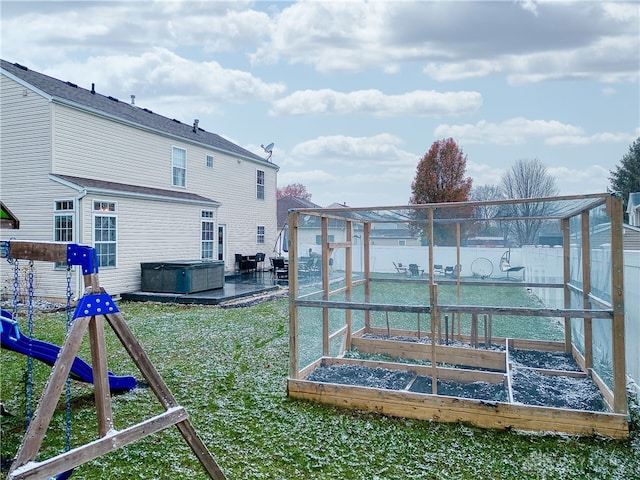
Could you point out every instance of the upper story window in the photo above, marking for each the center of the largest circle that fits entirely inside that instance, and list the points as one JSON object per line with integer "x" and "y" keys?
{"x": 260, "y": 184}
{"x": 105, "y": 233}
{"x": 179, "y": 164}
{"x": 209, "y": 161}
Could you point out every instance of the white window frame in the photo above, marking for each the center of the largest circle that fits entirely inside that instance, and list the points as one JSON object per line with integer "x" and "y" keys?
{"x": 260, "y": 181}
{"x": 64, "y": 208}
{"x": 104, "y": 209}
{"x": 209, "y": 161}
{"x": 260, "y": 234}
{"x": 178, "y": 165}
{"x": 208, "y": 246}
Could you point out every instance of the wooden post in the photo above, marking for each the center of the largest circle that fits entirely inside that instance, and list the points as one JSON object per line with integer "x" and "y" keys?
{"x": 367, "y": 273}
{"x": 566, "y": 269}
{"x": 325, "y": 284}
{"x": 294, "y": 331}
{"x": 348, "y": 274}
{"x": 474, "y": 330}
{"x": 435, "y": 315}
{"x": 586, "y": 289}
{"x": 614, "y": 207}
{"x": 102, "y": 393}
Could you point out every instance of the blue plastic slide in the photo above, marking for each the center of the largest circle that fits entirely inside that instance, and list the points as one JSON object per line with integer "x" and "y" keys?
{"x": 13, "y": 339}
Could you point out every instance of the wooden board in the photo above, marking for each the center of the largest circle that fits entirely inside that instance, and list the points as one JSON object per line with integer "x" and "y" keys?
{"x": 483, "y": 414}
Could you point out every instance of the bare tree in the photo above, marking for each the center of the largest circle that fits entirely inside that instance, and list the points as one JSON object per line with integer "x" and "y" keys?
{"x": 486, "y": 193}
{"x": 527, "y": 178}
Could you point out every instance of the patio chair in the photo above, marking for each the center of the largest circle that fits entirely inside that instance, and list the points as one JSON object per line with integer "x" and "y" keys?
{"x": 260, "y": 259}
{"x": 505, "y": 264}
{"x": 438, "y": 269}
{"x": 400, "y": 268}
{"x": 415, "y": 270}
{"x": 452, "y": 271}
{"x": 280, "y": 269}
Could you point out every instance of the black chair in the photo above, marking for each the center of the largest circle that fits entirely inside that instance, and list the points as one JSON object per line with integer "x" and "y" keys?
{"x": 415, "y": 271}
{"x": 280, "y": 268}
{"x": 260, "y": 259}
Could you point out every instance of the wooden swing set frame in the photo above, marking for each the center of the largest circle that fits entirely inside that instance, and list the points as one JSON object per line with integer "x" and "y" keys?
{"x": 93, "y": 309}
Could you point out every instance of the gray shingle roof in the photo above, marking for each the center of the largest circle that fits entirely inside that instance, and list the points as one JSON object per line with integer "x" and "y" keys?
{"x": 122, "y": 188}
{"x": 288, "y": 203}
{"x": 69, "y": 92}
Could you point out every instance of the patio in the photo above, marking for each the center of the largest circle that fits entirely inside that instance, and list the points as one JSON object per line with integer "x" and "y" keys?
{"x": 235, "y": 286}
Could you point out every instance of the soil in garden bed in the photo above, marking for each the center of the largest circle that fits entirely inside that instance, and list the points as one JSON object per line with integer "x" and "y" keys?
{"x": 534, "y": 388}
{"x": 427, "y": 341}
{"x": 548, "y": 360}
{"x": 529, "y": 387}
{"x": 363, "y": 376}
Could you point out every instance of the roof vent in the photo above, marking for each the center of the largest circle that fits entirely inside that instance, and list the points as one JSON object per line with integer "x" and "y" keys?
{"x": 72, "y": 85}
{"x": 133, "y": 99}
{"x": 93, "y": 88}
{"x": 112, "y": 98}
{"x": 22, "y": 67}
{"x": 195, "y": 125}
{"x": 147, "y": 110}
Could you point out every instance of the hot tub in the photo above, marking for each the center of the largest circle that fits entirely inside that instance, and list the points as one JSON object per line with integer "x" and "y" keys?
{"x": 182, "y": 276}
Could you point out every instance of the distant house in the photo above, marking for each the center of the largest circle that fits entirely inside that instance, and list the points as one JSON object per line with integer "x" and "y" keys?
{"x": 633, "y": 209}
{"x": 79, "y": 166}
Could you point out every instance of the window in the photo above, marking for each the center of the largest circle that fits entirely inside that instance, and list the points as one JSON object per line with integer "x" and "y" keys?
{"x": 331, "y": 238}
{"x": 63, "y": 224}
{"x": 209, "y": 161}
{"x": 104, "y": 233}
{"x": 260, "y": 234}
{"x": 179, "y": 162}
{"x": 260, "y": 184}
{"x": 207, "y": 235}
{"x": 63, "y": 221}
{"x": 402, "y": 243}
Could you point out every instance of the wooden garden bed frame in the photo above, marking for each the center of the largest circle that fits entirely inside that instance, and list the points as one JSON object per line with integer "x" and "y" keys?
{"x": 501, "y": 415}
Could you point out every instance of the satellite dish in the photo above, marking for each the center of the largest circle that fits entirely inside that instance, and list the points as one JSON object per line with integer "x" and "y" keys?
{"x": 268, "y": 149}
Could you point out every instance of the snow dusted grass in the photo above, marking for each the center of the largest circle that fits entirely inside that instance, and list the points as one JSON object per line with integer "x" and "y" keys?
{"x": 228, "y": 368}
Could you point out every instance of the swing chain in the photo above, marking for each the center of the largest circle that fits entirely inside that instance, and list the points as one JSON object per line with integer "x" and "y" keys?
{"x": 29, "y": 399}
{"x": 68, "y": 384}
{"x": 16, "y": 286}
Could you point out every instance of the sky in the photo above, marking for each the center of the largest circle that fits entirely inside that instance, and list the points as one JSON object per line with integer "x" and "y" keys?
{"x": 354, "y": 93}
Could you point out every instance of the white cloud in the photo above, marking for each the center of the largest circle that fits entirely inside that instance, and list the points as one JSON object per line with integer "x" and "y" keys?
{"x": 586, "y": 179}
{"x": 359, "y": 151}
{"x": 175, "y": 86}
{"x": 510, "y": 132}
{"x": 605, "y": 137}
{"x": 375, "y": 102}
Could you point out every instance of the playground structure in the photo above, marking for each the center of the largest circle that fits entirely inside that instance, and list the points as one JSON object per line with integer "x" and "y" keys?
{"x": 93, "y": 309}
{"x": 436, "y": 331}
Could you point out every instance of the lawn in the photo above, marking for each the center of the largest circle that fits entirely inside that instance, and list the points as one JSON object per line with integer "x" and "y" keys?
{"x": 228, "y": 368}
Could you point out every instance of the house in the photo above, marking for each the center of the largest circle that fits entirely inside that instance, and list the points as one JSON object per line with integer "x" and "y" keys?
{"x": 79, "y": 166}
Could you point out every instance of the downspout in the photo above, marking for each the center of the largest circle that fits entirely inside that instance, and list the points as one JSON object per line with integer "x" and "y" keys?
{"x": 79, "y": 279}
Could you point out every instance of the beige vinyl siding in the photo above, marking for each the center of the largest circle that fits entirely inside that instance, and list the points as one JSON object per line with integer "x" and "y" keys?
{"x": 94, "y": 147}
{"x": 41, "y": 137}
{"x": 146, "y": 231}
{"x": 25, "y": 161}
